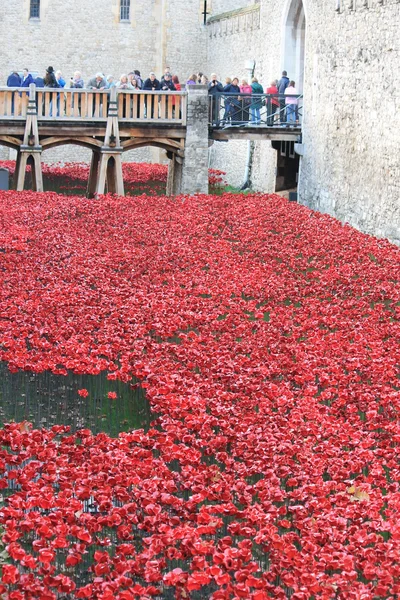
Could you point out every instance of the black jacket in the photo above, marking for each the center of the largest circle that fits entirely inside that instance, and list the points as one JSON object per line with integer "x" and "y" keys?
{"x": 50, "y": 80}
{"x": 232, "y": 89}
{"x": 151, "y": 85}
{"x": 215, "y": 89}
{"x": 167, "y": 85}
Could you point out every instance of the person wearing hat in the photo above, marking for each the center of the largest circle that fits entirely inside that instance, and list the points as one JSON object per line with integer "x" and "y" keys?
{"x": 50, "y": 78}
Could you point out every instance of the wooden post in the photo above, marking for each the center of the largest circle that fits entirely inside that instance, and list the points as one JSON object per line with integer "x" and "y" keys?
{"x": 110, "y": 168}
{"x": 174, "y": 180}
{"x": 93, "y": 175}
{"x": 30, "y": 151}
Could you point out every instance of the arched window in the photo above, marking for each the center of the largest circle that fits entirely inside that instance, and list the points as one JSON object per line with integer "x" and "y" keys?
{"x": 34, "y": 9}
{"x": 125, "y": 10}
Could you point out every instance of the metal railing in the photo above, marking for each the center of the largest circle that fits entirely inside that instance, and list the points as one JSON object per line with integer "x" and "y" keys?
{"x": 85, "y": 104}
{"x": 270, "y": 110}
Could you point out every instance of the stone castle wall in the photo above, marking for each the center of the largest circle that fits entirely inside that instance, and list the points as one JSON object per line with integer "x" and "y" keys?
{"x": 233, "y": 38}
{"x": 90, "y": 37}
{"x": 351, "y": 164}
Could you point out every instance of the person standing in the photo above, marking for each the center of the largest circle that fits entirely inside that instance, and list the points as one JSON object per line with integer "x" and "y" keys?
{"x": 50, "y": 80}
{"x": 76, "y": 81}
{"x": 176, "y": 101}
{"x": 14, "y": 80}
{"x": 245, "y": 100}
{"x": 138, "y": 78}
{"x": 215, "y": 88}
{"x": 167, "y": 86}
{"x": 27, "y": 78}
{"x": 192, "y": 80}
{"x": 282, "y": 85}
{"x": 151, "y": 85}
{"x": 292, "y": 102}
{"x": 256, "y": 101}
{"x": 166, "y": 70}
{"x": 110, "y": 82}
{"x": 232, "y": 100}
{"x": 272, "y": 103}
{"x": 60, "y": 79}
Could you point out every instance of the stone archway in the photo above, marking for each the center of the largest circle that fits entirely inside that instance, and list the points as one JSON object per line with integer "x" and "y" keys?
{"x": 294, "y": 42}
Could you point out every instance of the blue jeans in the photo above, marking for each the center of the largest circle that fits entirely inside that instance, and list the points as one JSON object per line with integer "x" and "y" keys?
{"x": 255, "y": 115}
{"x": 291, "y": 110}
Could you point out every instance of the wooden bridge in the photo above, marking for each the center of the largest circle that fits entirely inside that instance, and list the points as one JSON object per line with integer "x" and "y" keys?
{"x": 110, "y": 123}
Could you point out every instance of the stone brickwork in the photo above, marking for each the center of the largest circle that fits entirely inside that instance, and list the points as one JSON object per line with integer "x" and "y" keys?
{"x": 195, "y": 163}
{"x": 233, "y": 38}
{"x": 351, "y": 165}
{"x": 90, "y": 37}
{"x": 216, "y": 7}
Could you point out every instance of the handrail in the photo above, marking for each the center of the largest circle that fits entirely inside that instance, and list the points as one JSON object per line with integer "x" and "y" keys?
{"x": 90, "y": 104}
{"x": 228, "y": 109}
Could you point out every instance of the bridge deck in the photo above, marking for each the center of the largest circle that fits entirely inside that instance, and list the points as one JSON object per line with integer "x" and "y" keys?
{"x": 256, "y": 133}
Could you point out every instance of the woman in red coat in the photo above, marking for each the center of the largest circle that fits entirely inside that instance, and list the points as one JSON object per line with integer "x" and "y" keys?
{"x": 272, "y": 103}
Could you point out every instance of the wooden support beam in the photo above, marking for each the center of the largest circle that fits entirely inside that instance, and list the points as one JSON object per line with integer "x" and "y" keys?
{"x": 93, "y": 175}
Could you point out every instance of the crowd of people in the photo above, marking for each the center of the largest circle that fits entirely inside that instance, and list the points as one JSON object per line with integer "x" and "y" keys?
{"x": 245, "y": 101}
{"x": 242, "y": 101}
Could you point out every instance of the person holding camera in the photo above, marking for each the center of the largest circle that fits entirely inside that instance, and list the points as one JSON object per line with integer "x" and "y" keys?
{"x": 76, "y": 80}
{"x": 215, "y": 87}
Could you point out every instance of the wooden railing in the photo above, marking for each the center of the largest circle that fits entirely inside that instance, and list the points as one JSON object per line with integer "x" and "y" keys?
{"x": 83, "y": 105}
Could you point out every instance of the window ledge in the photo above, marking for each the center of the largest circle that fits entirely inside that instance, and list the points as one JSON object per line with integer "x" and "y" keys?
{"x": 34, "y": 19}
{"x": 124, "y": 20}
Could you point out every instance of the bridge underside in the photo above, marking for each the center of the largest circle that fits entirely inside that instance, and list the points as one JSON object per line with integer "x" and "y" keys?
{"x": 256, "y": 133}
{"x": 91, "y": 135}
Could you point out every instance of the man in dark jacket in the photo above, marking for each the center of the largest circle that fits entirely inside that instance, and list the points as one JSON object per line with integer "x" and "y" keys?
{"x": 14, "y": 80}
{"x": 215, "y": 87}
{"x": 282, "y": 85}
{"x": 151, "y": 85}
{"x": 166, "y": 85}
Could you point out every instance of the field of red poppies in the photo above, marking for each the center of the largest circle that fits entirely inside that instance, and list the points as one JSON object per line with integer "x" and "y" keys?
{"x": 267, "y": 338}
{"x": 139, "y": 178}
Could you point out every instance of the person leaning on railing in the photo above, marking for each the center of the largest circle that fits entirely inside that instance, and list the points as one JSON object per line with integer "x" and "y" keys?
{"x": 215, "y": 87}
{"x": 97, "y": 82}
{"x": 256, "y": 103}
{"x": 232, "y": 103}
{"x": 151, "y": 85}
{"x": 167, "y": 85}
{"x": 245, "y": 88}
